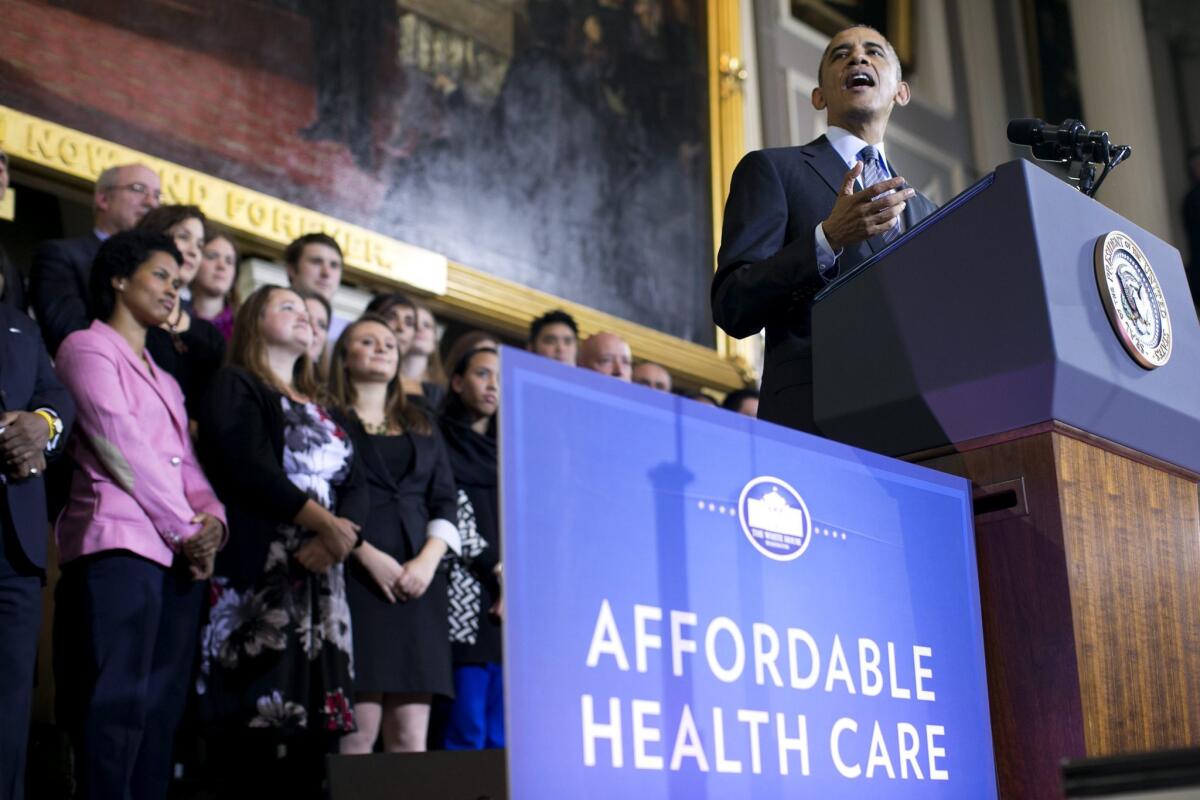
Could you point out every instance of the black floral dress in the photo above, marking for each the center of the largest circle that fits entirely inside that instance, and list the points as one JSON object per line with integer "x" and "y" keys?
{"x": 278, "y": 654}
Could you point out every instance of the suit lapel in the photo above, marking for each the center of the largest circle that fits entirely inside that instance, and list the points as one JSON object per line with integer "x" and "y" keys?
{"x": 372, "y": 459}
{"x": 151, "y": 375}
{"x": 8, "y": 355}
{"x": 154, "y": 376}
{"x": 826, "y": 162}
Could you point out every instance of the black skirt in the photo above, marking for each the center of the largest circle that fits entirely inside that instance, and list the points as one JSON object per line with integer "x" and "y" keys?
{"x": 401, "y": 647}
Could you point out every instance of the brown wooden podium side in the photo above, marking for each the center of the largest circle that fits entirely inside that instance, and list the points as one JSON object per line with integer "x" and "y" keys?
{"x": 1089, "y": 571}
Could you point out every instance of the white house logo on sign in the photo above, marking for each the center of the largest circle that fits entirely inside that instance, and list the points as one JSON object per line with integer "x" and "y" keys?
{"x": 775, "y": 518}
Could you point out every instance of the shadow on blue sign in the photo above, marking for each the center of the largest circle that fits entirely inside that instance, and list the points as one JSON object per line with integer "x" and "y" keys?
{"x": 702, "y": 605}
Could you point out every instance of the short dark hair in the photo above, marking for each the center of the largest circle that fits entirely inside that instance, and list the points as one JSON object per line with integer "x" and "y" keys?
{"x": 557, "y": 316}
{"x": 119, "y": 257}
{"x": 294, "y": 250}
{"x": 3, "y": 157}
{"x": 892, "y": 50}
{"x": 162, "y": 218}
{"x": 733, "y": 401}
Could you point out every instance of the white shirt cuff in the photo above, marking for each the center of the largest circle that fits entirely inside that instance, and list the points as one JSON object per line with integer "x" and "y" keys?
{"x": 447, "y": 532}
{"x": 826, "y": 258}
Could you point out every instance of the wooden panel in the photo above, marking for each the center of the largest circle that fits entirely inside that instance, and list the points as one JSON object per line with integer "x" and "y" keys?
{"x": 1033, "y": 687}
{"x": 1132, "y": 536}
{"x": 1091, "y": 603}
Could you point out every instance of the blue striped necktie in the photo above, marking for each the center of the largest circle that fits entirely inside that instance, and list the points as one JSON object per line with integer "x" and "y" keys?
{"x": 873, "y": 172}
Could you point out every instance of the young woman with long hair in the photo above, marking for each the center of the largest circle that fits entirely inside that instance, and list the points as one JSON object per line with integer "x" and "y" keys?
{"x": 397, "y": 586}
{"x": 276, "y": 655}
{"x": 214, "y": 289}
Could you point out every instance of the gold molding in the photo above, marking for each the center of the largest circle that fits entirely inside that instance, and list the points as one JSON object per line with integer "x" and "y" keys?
{"x": 507, "y": 306}
{"x": 726, "y": 76}
{"x": 64, "y": 151}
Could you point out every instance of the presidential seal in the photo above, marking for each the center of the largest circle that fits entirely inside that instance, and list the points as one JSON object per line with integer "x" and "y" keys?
{"x": 775, "y": 518}
{"x": 1133, "y": 299}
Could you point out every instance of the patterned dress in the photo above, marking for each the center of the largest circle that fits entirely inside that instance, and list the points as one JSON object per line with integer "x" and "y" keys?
{"x": 279, "y": 653}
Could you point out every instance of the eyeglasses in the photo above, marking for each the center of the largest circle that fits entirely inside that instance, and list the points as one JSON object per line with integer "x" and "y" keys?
{"x": 139, "y": 188}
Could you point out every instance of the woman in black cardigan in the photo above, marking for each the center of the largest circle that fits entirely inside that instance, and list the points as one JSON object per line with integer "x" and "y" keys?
{"x": 276, "y": 654}
{"x": 397, "y": 586}
{"x": 476, "y": 719}
{"x": 189, "y": 348}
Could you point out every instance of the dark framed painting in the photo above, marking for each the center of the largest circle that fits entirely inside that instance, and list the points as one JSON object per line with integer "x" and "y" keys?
{"x": 562, "y": 145}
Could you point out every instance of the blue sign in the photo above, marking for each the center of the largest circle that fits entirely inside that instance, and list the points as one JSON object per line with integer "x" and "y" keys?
{"x": 702, "y": 605}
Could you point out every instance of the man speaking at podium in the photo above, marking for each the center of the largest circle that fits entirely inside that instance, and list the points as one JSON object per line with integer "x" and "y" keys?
{"x": 796, "y": 217}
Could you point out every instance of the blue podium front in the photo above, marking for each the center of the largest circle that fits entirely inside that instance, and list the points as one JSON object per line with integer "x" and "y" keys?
{"x": 703, "y": 605}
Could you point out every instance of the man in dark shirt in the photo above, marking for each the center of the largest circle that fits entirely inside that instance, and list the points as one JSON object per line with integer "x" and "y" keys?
{"x": 797, "y": 217}
{"x": 58, "y": 277}
{"x": 35, "y": 413}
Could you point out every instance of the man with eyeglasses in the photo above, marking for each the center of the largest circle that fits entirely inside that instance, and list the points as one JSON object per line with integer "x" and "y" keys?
{"x": 58, "y": 277}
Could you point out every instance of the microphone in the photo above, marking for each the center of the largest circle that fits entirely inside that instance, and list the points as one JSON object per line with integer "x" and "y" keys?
{"x": 1070, "y": 141}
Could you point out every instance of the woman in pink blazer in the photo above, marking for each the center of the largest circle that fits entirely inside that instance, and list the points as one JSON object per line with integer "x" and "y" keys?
{"x": 139, "y": 534}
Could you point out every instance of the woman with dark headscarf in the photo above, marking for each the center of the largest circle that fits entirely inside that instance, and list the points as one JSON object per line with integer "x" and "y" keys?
{"x": 468, "y": 423}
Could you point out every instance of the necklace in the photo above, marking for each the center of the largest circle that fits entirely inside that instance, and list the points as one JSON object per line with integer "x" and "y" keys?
{"x": 377, "y": 428}
{"x": 173, "y": 327}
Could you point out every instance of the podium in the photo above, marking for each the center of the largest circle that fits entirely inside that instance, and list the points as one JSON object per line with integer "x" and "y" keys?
{"x": 978, "y": 344}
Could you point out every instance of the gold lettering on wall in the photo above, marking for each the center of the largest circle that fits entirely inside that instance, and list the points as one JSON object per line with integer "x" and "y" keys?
{"x": 260, "y": 216}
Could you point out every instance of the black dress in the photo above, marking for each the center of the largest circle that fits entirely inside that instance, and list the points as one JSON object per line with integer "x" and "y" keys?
{"x": 191, "y": 357}
{"x": 401, "y": 647}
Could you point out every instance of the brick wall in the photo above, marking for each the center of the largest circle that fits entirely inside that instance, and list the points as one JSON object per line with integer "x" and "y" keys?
{"x": 176, "y": 100}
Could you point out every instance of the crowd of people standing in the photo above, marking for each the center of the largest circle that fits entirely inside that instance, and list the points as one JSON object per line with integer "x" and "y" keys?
{"x": 278, "y": 525}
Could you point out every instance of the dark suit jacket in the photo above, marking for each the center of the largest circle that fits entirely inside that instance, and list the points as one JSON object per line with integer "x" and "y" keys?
{"x": 27, "y": 382}
{"x": 14, "y": 286}
{"x": 767, "y": 266}
{"x": 58, "y": 286}
{"x": 403, "y": 505}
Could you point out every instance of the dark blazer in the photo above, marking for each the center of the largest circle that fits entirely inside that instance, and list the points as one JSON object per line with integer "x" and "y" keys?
{"x": 402, "y": 506}
{"x": 27, "y": 382}
{"x": 14, "y": 286}
{"x": 767, "y": 265}
{"x": 241, "y": 448}
{"x": 58, "y": 286}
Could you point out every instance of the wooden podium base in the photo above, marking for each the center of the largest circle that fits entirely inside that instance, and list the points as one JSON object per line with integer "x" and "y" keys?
{"x": 1089, "y": 573}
